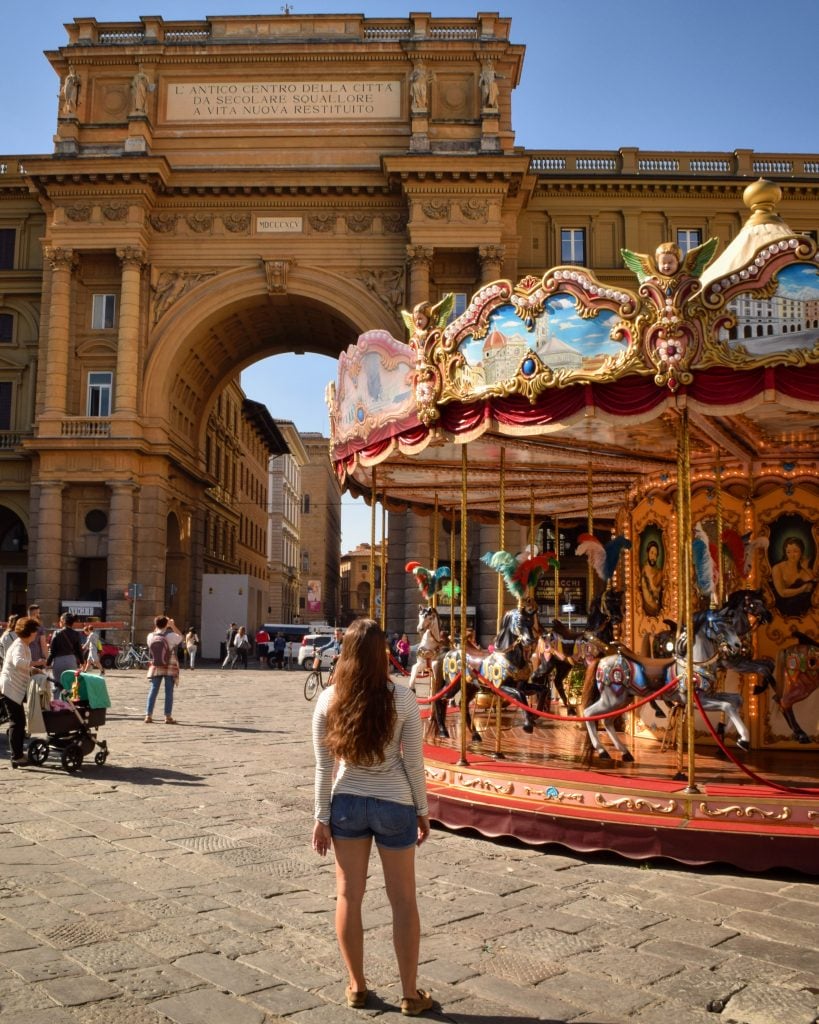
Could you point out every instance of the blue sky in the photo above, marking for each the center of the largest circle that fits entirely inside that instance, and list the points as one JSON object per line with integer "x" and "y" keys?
{"x": 706, "y": 75}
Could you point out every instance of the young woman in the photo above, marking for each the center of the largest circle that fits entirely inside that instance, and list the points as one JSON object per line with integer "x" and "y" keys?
{"x": 370, "y": 785}
{"x": 14, "y": 679}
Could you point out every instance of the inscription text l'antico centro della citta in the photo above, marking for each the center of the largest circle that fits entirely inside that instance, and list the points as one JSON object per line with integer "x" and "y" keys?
{"x": 251, "y": 101}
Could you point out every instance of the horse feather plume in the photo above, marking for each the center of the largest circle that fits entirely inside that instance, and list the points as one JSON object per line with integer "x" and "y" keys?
{"x": 505, "y": 563}
{"x": 429, "y": 581}
{"x": 703, "y": 561}
{"x": 603, "y": 558}
{"x": 752, "y": 544}
{"x": 530, "y": 570}
{"x": 733, "y": 544}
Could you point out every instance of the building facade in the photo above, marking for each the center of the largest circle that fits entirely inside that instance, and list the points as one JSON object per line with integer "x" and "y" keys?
{"x": 285, "y": 527}
{"x": 320, "y": 533}
{"x": 357, "y": 569}
{"x": 225, "y": 190}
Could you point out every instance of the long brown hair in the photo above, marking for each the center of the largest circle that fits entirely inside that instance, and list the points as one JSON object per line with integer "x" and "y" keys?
{"x": 361, "y": 716}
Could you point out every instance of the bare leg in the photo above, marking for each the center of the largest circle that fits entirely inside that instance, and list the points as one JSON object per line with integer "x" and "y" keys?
{"x": 352, "y": 859}
{"x": 399, "y": 880}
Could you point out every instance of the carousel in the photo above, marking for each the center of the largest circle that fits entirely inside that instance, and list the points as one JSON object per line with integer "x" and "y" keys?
{"x": 664, "y": 440}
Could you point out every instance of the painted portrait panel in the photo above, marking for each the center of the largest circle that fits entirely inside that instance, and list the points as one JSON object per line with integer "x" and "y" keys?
{"x": 792, "y": 557}
{"x": 652, "y": 569}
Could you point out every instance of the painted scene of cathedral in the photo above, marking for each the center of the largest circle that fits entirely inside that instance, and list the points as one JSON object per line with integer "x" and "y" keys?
{"x": 561, "y": 339}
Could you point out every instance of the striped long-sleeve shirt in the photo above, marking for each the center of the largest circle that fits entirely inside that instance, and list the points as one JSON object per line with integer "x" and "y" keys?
{"x": 399, "y": 777}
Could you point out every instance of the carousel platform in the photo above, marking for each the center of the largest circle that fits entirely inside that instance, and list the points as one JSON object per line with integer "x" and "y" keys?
{"x": 542, "y": 791}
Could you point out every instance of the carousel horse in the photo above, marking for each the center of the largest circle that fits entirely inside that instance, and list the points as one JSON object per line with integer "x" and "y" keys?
{"x": 623, "y": 676}
{"x": 430, "y": 646}
{"x": 798, "y": 668}
{"x": 508, "y": 667}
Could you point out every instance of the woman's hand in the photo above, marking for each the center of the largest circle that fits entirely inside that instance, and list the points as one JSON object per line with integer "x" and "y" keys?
{"x": 423, "y": 829}
{"x": 322, "y": 838}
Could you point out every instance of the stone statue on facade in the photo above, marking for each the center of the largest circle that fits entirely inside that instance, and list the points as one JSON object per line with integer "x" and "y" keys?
{"x": 419, "y": 87}
{"x": 140, "y": 86}
{"x": 70, "y": 93}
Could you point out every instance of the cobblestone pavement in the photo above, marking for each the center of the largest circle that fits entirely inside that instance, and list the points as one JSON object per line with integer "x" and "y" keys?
{"x": 176, "y": 882}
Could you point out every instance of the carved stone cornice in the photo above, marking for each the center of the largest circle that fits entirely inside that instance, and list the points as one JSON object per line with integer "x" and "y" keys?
{"x": 60, "y": 258}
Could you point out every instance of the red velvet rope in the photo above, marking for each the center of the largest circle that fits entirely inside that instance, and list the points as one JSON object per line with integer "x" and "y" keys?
{"x": 398, "y": 666}
{"x": 574, "y": 718}
{"x": 441, "y": 693}
{"x": 751, "y": 775}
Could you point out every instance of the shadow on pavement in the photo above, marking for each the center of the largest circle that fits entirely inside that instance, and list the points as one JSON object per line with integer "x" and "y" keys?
{"x": 140, "y": 776}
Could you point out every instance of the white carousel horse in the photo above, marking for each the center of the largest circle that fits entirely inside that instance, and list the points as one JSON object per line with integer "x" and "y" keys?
{"x": 623, "y": 676}
{"x": 430, "y": 646}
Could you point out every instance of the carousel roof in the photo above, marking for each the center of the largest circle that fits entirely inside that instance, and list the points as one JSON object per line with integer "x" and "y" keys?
{"x": 583, "y": 378}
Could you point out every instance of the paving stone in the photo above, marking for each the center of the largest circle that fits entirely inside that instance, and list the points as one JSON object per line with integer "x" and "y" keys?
{"x": 540, "y": 1003}
{"x": 40, "y": 964}
{"x": 79, "y": 932}
{"x": 285, "y": 1000}
{"x": 225, "y": 974}
{"x": 243, "y": 921}
{"x": 105, "y": 958}
{"x": 685, "y": 952}
{"x": 779, "y": 929}
{"x": 155, "y": 982}
{"x": 625, "y": 965}
{"x": 75, "y": 991}
{"x": 290, "y": 969}
{"x": 204, "y": 1006}
{"x": 118, "y": 1011}
{"x": 748, "y": 899}
{"x": 758, "y": 1004}
{"x": 592, "y": 993}
{"x": 12, "y": 938}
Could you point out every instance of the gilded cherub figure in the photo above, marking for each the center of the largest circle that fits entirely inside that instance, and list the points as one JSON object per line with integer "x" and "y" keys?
{"x": 669, "y": 262}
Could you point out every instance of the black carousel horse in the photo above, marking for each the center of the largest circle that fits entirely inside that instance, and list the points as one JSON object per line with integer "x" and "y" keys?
{"x": 507, "y": 667}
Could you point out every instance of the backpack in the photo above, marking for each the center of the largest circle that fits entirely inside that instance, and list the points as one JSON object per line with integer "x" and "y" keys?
{"x": 160, "y": 651}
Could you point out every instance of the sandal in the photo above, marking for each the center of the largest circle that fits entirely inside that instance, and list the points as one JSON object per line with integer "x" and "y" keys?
{"x": 169, "y": 720}
{"x": 412, "y": 1006}
{"x": 356, "y": 1000}
{"x": 148, "y": 718}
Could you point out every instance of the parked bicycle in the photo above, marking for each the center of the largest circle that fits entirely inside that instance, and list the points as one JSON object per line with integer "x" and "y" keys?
{"x": 315, "y": 680}
{"x": 132, "y": 656}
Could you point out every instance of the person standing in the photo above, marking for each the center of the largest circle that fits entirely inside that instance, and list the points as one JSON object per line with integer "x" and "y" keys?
{"x": 191, "y": 646}
{"x": 14, "y": 680}
{"x": 262, "y": 639}
{"x": 369, "y": 784}
{"x": 279, "y": 647}
{"x": 8, "y": 636}
{"x": 65, "y": 651}
{"x": 91, "y": 647}
{"x": 162, "y": 645}
{"x": 403, "y": 649}
{"x": 38, "y": 644}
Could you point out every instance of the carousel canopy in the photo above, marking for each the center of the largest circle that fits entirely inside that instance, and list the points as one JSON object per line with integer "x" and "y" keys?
{"x": 573, "y": 379}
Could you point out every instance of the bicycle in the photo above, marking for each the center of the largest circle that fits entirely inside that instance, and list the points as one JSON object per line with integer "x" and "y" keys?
{"x": 315, "y": 680}
{"x": 132, "y": 656}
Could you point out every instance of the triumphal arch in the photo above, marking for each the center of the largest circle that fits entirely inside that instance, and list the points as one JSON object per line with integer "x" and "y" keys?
{"x": 223, "y": 191}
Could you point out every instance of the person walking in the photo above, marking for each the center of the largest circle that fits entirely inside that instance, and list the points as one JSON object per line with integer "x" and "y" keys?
{"x": 231, "y": 653}
{"x": 191, "y": 646}
{"x": 262, "y": 639}
{"x": 162, "y": 645}
{"x": 14, "y": 680}
{"x": 39, "y": 645}
{"x": 242, "y": 645}
{"x": 369, "y": 784}
{"x": 8, "y": 636}
{"x": 91, "y": 647}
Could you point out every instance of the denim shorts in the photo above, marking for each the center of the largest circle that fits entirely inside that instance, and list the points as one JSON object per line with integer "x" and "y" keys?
{"x": 393, "y": 825}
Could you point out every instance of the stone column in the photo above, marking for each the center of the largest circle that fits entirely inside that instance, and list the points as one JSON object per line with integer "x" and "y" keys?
{"x": 121, "y": 537}
{"x": 47, "y": 556}
{"x": 419, "y": 261}
{"x": 58, "y": 343}
{"x": 491, "y": 257}
{"x": 128, "y": 369}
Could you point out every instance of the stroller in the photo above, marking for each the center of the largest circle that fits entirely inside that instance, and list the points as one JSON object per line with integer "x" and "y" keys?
{"x": 71, "y": 724}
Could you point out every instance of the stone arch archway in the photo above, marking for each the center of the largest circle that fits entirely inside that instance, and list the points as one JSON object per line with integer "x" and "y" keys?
{"x": 227, "y": 322}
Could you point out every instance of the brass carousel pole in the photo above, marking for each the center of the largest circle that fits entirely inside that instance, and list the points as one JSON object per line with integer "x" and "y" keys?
{"x": 462, "y": 760}
{"x": 452, "y": 573}
{"x": 590, "y": 531}
{"x": 371, "y": 609}
{"x": 383, "y": 562}
{"x": 531, "y": 523}
{"x": 720, "y": 556}
{"x": 435, "y": 545}
{"x": 684, "y": 488}
{"x": 557, "y": 567}
{"x": 501, "y": 547}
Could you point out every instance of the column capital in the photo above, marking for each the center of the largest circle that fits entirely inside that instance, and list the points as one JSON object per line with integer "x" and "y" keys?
{"x": 54, "y": 486}
{"x": 132, "y": 256}
{"x": 491, "y": 253}
{"x": 60, "y": 258}
{"x": 122, "y": 486}
{"x": 420, "y": 255}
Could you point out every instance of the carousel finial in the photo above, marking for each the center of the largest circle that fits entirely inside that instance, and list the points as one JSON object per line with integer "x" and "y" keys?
{"x": 761, "y": 197}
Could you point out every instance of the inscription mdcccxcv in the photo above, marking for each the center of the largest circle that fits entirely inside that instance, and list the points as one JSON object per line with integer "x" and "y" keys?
{"x": 283, "y": 101}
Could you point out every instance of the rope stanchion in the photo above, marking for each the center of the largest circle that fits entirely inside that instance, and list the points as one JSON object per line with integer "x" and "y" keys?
{"x": 444, "y": 692}
{"x": 735, "y": 760}
{"x": 573, "y": 718}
